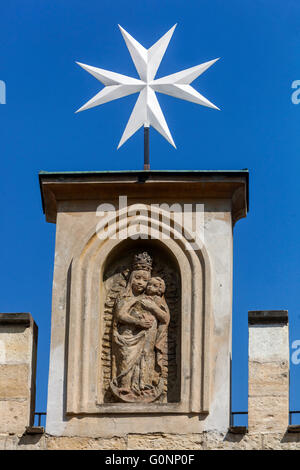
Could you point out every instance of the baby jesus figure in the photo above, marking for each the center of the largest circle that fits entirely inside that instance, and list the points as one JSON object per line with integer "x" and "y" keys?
{"x": 155, "y": 314}
{"x": 154, "y": 292}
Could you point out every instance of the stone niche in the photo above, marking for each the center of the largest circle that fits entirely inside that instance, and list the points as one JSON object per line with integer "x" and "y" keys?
{"x": 99, "y": 274}
{"x": 164, "y": 350}
{"x": 141, "y": 327}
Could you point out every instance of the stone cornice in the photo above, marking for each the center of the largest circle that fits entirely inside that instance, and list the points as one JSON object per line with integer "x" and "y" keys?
{"x": 166, "y": 185}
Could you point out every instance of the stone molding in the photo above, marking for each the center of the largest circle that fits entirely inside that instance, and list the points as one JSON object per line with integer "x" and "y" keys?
{"x": 234, "y": 185}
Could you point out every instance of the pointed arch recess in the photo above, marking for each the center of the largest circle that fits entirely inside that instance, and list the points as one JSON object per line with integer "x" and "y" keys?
{"x": 86, "y": 309}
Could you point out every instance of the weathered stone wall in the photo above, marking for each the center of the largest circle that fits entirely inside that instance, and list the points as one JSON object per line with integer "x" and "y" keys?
{"x": 18, "y": 339}
{"x": 268, "y": 384}
{"x": 204, "y": 441}
{"x": 268, "y": 387}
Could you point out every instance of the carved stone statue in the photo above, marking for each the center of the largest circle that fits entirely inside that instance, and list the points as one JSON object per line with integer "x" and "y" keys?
{"x": 140, "y": 324}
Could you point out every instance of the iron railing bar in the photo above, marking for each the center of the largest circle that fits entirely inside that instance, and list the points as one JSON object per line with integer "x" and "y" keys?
{"x": 233, "y": 413}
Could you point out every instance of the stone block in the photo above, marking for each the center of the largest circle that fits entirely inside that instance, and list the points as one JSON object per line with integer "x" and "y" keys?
{"x": 269, "y": 378}
{"x": 18, "y": 345}
{"x": 81, "y": 443}
{"x": 13, "y": 416}
{"x": 14, "y": 381}
{"x": 230, "y": 441}
{"x": 268, "y": 413}
{"x": 14, "y": 344}
{"x": 166, "y": 441}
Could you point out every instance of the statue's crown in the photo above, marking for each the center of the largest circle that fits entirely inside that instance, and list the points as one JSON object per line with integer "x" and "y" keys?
{"x": 142, "y": 261}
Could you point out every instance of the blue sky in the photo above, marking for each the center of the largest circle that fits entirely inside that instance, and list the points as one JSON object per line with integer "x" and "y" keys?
{"x": 257, "y": 128}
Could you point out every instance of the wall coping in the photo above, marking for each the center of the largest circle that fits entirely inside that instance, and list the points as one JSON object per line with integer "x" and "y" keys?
{"x": 19, "y": 318}
{"x": 262, "y": 317}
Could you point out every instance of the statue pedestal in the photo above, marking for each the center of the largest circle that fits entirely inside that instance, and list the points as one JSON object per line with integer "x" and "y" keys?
{"x": 125, "y": 360}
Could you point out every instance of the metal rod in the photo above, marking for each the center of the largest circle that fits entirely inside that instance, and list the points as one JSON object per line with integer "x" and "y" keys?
{"x": 146, "y": 149}
{"x": 39, "y": 415}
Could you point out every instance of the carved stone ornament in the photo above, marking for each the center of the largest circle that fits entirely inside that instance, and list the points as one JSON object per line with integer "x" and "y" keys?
{"x": 139, "y": 334}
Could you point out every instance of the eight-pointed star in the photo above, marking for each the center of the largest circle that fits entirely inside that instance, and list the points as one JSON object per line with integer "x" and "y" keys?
{"x": 147, "y": 111}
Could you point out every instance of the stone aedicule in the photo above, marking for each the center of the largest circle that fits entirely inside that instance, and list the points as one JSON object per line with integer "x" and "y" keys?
{"x": 18, "y": 343}
{"x": 179, "y": 376}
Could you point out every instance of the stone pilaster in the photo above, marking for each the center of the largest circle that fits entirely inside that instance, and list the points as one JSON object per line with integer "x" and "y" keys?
{"x": 268, "y": 395}
{"x": 18, "y": 342}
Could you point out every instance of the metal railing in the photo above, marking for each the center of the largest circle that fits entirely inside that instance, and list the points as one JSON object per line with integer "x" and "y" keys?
{"x": 234, "y": 413}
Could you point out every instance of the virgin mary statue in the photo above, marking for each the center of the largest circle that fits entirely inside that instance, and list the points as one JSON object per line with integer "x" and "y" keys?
{"x": 140, "y": 323}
